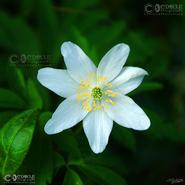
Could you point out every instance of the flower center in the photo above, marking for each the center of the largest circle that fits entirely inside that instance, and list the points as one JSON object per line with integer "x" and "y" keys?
{"x": 97, "y": 93}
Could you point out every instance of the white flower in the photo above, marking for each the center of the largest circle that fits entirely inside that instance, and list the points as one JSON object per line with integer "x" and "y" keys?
{"x": 95, "y": 95}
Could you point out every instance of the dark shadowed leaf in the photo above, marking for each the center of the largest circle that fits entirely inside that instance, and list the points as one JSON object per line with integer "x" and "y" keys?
{"x": 124, "y": 137}
{"x": 34, "y": 98}
{"x": 39, "y": 160}
{"x": 83, "y": 43}
{"x": 5, "y": 116}
{"x": 17, "y": 36}
{"x": 72, "y": 178}
{"x": 16, "y": 80}
{"x": 58, "y": 161}
{"x": 8, "y": 99}
{"x": 67, "y": 144}
{"x": 160, "y": 129}
{"x": 47, "y": 22}
{"x": 102, "y": 175}
{"x": 147, "y": 86}
{"x": 26, "y": 7}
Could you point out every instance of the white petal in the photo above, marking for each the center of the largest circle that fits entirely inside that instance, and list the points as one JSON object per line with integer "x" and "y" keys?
{"x": 68, "y": 114}
{"x": 78, "y": 63}
{"x": 128, "y": 114}
{"x": 112, "y": 63}
{"x": 97, "y": 126}
{"x": 58, "y": 81}
{"x": 129, "y": 79}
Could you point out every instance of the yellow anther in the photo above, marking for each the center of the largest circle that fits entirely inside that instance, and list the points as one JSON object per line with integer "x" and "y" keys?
{"x": 82, "y": 95}
{"x": 114, "y": 94}
{"x": 111, "y": 93}
{"x": 110, "y": 101}
{"x": 101, "y": 78}
{"x": 84, "y": 84}
{"x": 94, "y": 104}
{"x": 98, "y": 107}
{"x": 87, "y": 109}
{"x": 109, "y": 85}
{"x": 85, "y": 104}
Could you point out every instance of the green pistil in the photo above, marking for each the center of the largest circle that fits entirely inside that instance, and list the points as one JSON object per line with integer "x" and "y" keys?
{"x": 96, "y": 93}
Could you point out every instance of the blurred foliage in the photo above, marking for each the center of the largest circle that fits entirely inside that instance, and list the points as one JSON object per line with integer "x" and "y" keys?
{"x": 31, "y": 33}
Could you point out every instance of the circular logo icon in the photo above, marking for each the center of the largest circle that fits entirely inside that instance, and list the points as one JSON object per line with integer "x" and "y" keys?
{"x": 14, "y": 177}
{"x": 23, "y": 58}
{"x": 157, "y": 8}
{"x": 13, "y": 59}
{"x": 7, "y": 178}
{"x": 148, "y": 8}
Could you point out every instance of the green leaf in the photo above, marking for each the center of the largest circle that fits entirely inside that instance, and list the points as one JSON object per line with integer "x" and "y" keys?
{"x": 15, "y": 140}
{"x": 102, "y": 175}
{"x": 8, "y": 99}
{"x": 35, "y": 100}
{"x": 72, "y": 178}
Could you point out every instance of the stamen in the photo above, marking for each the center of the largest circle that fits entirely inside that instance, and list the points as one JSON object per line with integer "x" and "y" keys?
{"x": 101, "y": 80}
{"x": 110, "y": 101}
{"x": 82, "y": 95}
{"x": 111, "y": 93}
{"x": 87, "y": 105}
{"x": 93, "y": 100}
{"x": 109, "y": 85}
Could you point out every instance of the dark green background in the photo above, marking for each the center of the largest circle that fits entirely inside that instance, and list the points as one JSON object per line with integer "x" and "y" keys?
{"x": 31, "y": 33}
